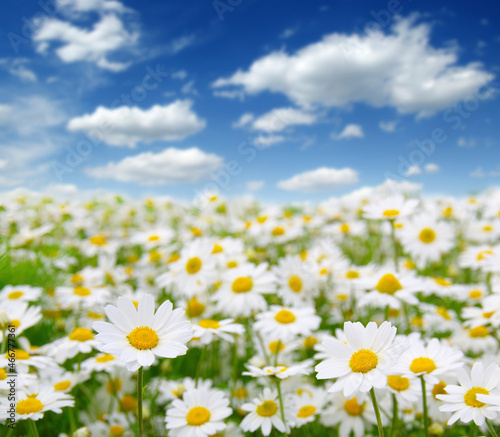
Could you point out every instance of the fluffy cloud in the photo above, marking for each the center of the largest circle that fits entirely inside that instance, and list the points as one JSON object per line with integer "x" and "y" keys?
{"x": 466, "y": 142}
{"x": 350, "y": 131}
{"x": 244, "y": 120}
{"x": 125, "y": 126}
{"x": 480, "y": 173}
{"x": 169, "y": 167}
{"x": 321, "y": 179}
{"x": 78, "y": 44}
{"x": 432, "y": 168}
{"x": 400, "y": 69}
{"x": 280, "y": 118}
{"x": 268, "y": 141}
{"x": 255, "y": 185}
{"x": 413, "y": 170}
{"x": 388, "y": 126}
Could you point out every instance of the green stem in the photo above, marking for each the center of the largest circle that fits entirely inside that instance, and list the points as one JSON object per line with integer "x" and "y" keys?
{"x": 488, "y": 283}
{"x": 490, "y": 427}
{"x": 200, "y": 364}
{"x": 377, "y": 413}
{"x": 139, "y": 401}
{"x": 395, "y": 243}
{"x": 424, "y": 400}
{"x": 394, "y": 414}
{"x": 34, "y": 431}
{"x": 282, "y": 410}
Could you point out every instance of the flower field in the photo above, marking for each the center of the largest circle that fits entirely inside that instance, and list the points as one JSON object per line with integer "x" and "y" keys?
{"x": 371, "y": 314}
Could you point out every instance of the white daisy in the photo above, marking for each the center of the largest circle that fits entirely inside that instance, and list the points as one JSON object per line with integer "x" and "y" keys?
{"x": 138, "y": 335}
{"x": 363, "y": 361}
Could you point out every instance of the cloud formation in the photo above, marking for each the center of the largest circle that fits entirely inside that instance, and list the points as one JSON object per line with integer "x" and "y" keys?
{"x": 321, "y": 179}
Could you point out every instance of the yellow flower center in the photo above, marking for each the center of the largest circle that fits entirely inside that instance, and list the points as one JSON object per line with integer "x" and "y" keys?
{"x": 306, "y": 411}
{"x": 15, "y": 295}
{"x": 114, "y": 385}
{"x": 443, "y": 282}
{"x": 129, "y": 403}
{"x": 310, "y": 342}
{"x": 197, "y": 416}
{"x": 391, "y": 213}
{"x": 479, "y": 332}
{"x": 443, "y": 312}
{"x": 116, "y": 431}
{"x": 154, "y": 256}
{"x": 143, "y": 338}
{"x": 423, "y": 365}
{"x": 353, "y": 408}
{"x": 29, "y": 406}
{"x": 98, "y": 240}
{"x": 363, "y": 361}
{"x": 194, "y": 308}
{"x": 470, "y": 397}
{"x": 487, "y": 228}
{"x": 397, "y": 382}
{"x": 173, "y": 258}
{"x": 285, "y": 317}
{"x": 483, "y": 254}
{"x": 427, "y": 236}
{"x": 93, "y": 315}
{"x": 344, "y": 228}
{"x": 267, "y": 409}
{"x": 276, "y": 346}
{"x": 475, "y": 294}
{"x": 77, "y": 279}
{"x": 388, "y": 284}
{"x": 16, "y": 323}
{"x": 63, "y": 385}
{"x": 352, "y": 274}
{"x": 242, "y": 284}
{"x": 105, "y": 358}
{"x": 81, "y": 334}
{"x": 409, "y": 264}
{"x": 241, "y": 393}
{"x": 448, "y": 211}
{"x": 232, "y": 264}
{"x": 417, "y": 321}
{"x": 209, "y": 324}
{"x": 19, "y": 354}
{"x": 295, "y": 283}
{"x": 153, "y": 238}
{"x": 81, "y": 291}
{"x": 3, "y": 374}
{"x": 278, "y": 230}
{"x": 217, "y": 248}
{"x": 488, "y": 314}
{"x": 197, "y": 232}
{"x": 262, "y": 219}
{"x": 193, "y": 265}
{"x": 438, "y": 389}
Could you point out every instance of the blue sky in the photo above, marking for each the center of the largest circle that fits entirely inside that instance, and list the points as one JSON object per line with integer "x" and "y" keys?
{"x": 287, "y": 101}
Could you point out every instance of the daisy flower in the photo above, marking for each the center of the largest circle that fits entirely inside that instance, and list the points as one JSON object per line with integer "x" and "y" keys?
{"x": 20, "y": 293}
{"x": 307, "y": 405}
{"x": 264, "y": 413}
{"x": 390, "y": 208}
{"x": 280, "y": 371}
{"x": 428, "y": 360}
{"x": 207, "y": 329}
{"x": 139, "y": 335}
{"x": 200, "y": 413}
{"x": 474, "y": 398}
{"x": 287, "y": 322}
{"x": 360, "y": 363}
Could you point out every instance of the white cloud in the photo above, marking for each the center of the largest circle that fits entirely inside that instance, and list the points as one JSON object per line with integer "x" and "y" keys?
{"x": 125, "y": 126}
{"x": 267, "y": 141}
{"x": 3, "y": 164}
{"x": 400, "y": 69}
{"x": 179, "y": 44}
{"x": 388, "y": 126}
{"x": 5, "y": 112}
{"x": 350, "y": 131}
{"x": 280, "y": 118}
{"x": 188, "y": 88}
{"x": 321, "y": 179}
{"x": 432, "y": 168}
{"x": 255, "y": 185}
{"x": 78, "y": 44}
{"x": 234, "y": 94}
{"x": 287, "y": 33}
{"x": 466, "y": 142}
{"x": 70, "y": 7}
{"x": 243, "y": 120}
{"x": 169, "y": 167}
{"x": 480, "y": 173}
{"x": 413, "y": 170}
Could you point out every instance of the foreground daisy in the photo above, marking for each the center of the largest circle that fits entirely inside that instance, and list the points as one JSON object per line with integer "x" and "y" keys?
{"x": 138, "y": 335}
{"x": 264, "y": 413}
{"x": 361, "y": 362}
{"x": 200, "y": 413}
{"x": 465, "y": 400}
